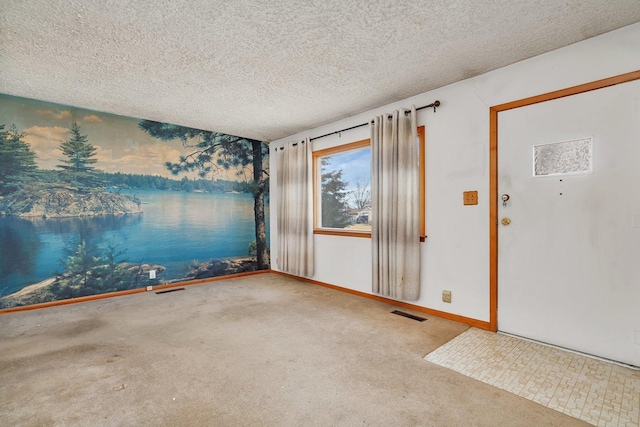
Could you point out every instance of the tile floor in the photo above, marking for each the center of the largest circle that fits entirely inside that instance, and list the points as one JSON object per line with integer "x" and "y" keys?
{"x": 595, "y": 391}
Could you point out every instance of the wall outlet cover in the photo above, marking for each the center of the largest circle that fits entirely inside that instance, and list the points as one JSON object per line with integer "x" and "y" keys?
{"x": 149, "y": 288}
{"x": 446, "y": 296}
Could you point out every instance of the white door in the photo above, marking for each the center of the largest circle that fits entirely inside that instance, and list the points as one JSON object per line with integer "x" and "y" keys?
{"x": 569, "y": 261}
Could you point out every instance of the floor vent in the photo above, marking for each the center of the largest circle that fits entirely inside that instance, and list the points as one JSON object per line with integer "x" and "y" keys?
{"x": 169, "y": 290}
{"x": 410, "y": 316}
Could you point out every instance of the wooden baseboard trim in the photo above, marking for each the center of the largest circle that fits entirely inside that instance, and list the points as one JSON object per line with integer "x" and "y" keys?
{"x": 462, "y": 319}
{"x": 211, "y": 279}
{"x": 443, "y": 314}
{"x": 127, "y": 292}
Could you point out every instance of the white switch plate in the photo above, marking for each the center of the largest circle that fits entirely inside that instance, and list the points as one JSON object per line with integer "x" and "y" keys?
{"x": 152, "y": 274}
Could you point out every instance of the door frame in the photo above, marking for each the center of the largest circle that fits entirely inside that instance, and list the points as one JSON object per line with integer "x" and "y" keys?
{"x": 493, "y": 170}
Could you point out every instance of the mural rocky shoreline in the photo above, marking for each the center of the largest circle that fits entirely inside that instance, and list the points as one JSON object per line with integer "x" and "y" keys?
{"x": 61, "y": 201}
{"x": 91, "y": 202}
{"x": 61, "y": 287}
{"x": 222, "y": 267}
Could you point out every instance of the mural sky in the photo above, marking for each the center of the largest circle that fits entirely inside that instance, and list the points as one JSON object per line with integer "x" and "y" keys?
{"x": 120, "y": 143}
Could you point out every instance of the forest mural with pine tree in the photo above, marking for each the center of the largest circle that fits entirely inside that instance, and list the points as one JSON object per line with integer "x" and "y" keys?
{"x": 92, "y": 203}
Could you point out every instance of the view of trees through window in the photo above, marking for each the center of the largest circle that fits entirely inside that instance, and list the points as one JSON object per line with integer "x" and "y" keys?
{"x": 345, "y": 190}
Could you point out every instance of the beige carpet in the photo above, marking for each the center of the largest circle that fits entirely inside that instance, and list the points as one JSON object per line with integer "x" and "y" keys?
{"x": 598, "y": 392}
{"x": 260, "y": 350}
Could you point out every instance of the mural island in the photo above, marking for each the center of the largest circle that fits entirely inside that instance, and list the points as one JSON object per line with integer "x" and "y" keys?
{"x": 60, "y": 209}
{"x": 61, "y": 201}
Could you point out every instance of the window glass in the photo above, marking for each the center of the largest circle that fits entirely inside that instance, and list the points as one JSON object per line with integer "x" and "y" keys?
{"x": 563, "y": 158}
{"x": 345, "y": 190}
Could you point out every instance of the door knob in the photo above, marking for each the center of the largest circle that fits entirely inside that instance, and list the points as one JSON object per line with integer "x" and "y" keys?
{"x": 505, "y": 221}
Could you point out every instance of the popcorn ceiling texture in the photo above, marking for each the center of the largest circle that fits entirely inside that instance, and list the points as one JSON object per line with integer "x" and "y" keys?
{"x": 266, "y": 69}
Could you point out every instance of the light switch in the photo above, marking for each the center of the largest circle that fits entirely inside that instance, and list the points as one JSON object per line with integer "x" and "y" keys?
{"x": 470, "y": 197}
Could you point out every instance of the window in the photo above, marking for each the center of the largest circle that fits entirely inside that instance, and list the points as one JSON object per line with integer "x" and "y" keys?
{"x": 342, "y": 189}
{"x": 563, "y": 158}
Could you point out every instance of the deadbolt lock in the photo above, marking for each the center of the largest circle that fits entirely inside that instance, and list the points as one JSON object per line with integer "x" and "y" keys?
{"x": 505, "y": 221}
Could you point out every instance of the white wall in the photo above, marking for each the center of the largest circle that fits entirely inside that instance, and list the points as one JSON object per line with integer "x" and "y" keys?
{"x": 455, "y": 255}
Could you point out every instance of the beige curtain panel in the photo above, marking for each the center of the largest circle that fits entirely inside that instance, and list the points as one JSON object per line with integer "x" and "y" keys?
{"x": 295, "y": 222}
{"x": 395, "y": 195}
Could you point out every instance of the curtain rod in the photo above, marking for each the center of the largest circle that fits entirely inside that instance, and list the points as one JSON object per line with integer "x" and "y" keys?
{"x": 434, "y": 104}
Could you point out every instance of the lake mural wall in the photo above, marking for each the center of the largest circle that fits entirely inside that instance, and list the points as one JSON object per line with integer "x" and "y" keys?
{"x": 93, "y": 202}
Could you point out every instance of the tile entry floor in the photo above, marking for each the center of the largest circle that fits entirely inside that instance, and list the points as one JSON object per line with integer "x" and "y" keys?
{"x": 592, "y": 390}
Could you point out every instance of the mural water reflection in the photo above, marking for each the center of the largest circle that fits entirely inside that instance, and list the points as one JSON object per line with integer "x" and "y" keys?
{"x": 94, "y": 203}
{"x": 174, "y": 229}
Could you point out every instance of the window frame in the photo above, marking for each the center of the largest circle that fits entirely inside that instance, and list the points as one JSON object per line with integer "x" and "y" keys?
{"x": 316, "y": 155}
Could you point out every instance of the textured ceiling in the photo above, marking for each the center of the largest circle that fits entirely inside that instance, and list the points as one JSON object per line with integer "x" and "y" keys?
{"x": 267, "y": 69}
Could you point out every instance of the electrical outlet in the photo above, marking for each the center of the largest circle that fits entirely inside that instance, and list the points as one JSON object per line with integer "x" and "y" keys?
{"x": 446, "y": 296}
{"x": 152, "y": 274}
{"x": 470, "y": 198}
{"x": 149, "y": 288}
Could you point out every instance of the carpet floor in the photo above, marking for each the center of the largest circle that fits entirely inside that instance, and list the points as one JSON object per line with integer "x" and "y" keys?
{"x": 258, "y": 350}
